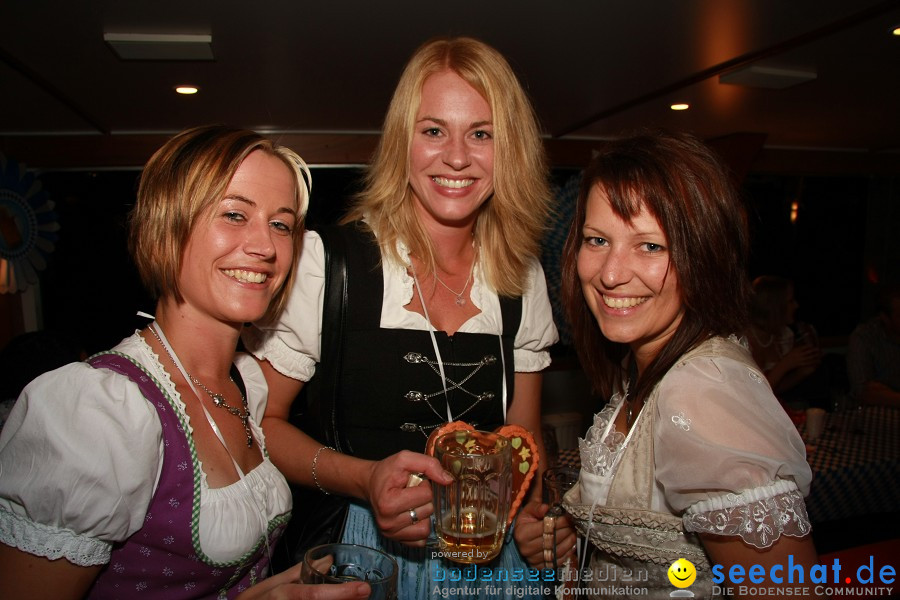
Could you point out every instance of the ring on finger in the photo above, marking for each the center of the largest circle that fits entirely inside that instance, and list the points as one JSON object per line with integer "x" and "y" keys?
{"x": 413, "y": 516}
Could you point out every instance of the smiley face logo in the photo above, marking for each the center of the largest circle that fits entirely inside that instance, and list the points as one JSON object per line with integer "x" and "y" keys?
{"x": 682, "y": 573}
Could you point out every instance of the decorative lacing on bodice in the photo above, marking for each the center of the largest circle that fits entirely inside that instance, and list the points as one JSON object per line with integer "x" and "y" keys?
{"x": 417, "y": 396}
{"x": 759, "y": 516}
{"x": 416, "y": 358}
{"x": 443, "y": 385}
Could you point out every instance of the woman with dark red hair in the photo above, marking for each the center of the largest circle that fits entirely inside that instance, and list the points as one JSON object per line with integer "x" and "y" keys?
{"x": 693, "y": 456}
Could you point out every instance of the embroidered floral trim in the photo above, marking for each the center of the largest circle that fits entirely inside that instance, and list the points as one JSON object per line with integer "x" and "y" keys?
{"x": 759, "y": 522}
{"x": 50, "y": 542}
{"x": 640, "y": 534}
{"x": 682, "y": 422}
{"x": 599, "y": 454}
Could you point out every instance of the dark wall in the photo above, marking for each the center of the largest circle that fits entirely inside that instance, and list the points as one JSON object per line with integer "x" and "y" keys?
{"x": 823, "y": 252}
{"x": 91, "y": 290}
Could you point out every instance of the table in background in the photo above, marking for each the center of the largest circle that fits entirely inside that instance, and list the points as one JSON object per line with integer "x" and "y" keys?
{"x": 855, "y": 465}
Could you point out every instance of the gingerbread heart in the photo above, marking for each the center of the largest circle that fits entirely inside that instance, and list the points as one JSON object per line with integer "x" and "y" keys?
{"x": 524, "y": 452}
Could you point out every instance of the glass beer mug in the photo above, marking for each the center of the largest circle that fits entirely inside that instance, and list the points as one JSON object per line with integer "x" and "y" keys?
{"x": 471, "y": 511}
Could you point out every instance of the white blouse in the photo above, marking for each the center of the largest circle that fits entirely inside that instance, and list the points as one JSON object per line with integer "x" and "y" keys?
{"x": 80, "y": 458}
{"x": 292, "y": 344}
{"x": 722, "y": 443}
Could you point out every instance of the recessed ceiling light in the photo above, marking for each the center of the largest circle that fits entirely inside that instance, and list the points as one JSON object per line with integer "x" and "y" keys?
{"x": 680, "y": 106}
{"x": 187, "y": 90}
{"x": 896, "y": 30}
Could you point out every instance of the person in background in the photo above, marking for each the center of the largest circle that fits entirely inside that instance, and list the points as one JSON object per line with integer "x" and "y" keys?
{"x": 143, "y": 472}
{"x": 788, "y": 359}
{"x": 693, "y": 457}
{"x": 873, "y": 358}
{"x": 444, "y": 234}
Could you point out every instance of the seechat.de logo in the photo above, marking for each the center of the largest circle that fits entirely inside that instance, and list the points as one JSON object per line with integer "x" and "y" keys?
{"x": 869, "y": 579}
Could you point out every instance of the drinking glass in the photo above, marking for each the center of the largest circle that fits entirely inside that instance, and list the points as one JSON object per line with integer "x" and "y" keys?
{"x": 471, "y": 511}
{"x": 340, "y": 563}
{"x": 556, "y": 482}
{"x": 815, "y": 423}
{"x": 806, "y": 335}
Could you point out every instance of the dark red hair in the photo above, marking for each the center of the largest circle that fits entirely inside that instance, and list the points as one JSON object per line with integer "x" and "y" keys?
{"x": 677, "y": 179}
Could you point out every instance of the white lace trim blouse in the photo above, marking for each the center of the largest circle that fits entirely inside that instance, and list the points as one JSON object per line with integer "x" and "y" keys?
{"x": 292, "y": 344}
{"x": 726, "y": 456}
{"x": 80, "y": 458}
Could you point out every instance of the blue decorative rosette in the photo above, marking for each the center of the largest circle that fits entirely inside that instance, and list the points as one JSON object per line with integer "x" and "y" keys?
{"x": 28, "y": 227}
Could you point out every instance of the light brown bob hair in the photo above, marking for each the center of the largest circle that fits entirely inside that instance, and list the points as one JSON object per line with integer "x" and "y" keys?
{"x": 676, "y": 178}
{"x": 180, "y": 183}
{"x": 510, "y": 223}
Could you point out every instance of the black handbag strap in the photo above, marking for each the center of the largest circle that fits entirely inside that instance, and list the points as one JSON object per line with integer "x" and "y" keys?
{"x": 511, "y": 313}
{"x": 334, "y": 315}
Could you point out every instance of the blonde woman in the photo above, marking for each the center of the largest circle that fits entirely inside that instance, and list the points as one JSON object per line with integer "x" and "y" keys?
{"x": 448, "y": 311}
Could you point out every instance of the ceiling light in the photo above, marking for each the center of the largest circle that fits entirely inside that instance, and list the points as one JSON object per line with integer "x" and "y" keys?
{"x": 187, "y": 90}
{"x": 896, "y": 30}
{"x": 772, "y": 78}
{"x": 680, "y": 106}
{"x": 160, "y": 46}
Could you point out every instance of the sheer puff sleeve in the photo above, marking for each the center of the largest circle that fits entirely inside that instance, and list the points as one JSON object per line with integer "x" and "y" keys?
{"x": 727, "y": 455}
{"x": 79, "y": 459}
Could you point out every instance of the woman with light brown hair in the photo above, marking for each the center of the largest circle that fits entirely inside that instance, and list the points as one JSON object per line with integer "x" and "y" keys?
{"x": 448, "y": 314}
{"x": 143, "y": 471}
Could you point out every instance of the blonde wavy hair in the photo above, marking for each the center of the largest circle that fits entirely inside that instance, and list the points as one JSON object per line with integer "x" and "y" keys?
{"x": 179, "y": 184}
{"x": 510, "y": 223}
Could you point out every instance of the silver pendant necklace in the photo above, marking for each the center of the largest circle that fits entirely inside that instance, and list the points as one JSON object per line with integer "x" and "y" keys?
{"x": 217, "y": 399}
{"x": 460, "y": 301}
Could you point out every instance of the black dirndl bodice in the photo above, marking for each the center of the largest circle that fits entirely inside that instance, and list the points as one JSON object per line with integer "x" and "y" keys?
{"x": 390, "y": 394}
